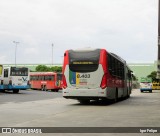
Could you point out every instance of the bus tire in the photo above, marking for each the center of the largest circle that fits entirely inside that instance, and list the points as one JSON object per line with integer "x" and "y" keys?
{"x": 128, "y": 94}
{"x": 150, "y": 91}
{"x": 3, "y": 91}
{"x": 16, "y": 91}
{"x": 116, "y": 96}
{"x": 45, "y": 88}
{"x": 84, "y": 101}
{"x": 42, "y": 88}
{"x": 56, "y": 90}
{"x": 141, "y": 91}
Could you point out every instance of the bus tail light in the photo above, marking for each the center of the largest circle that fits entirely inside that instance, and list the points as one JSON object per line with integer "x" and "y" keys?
{"x": 10, "y": 82}
{"x": 64, "y": 82}
{"x": 104, "y": 81}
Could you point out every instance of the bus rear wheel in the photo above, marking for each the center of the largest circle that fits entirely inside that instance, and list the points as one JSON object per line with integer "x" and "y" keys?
{"x": 16, "y": 91}
{"x": 116, "y": 96}
{"x": 54, "y": 90}
{"x": 45, "y": 88}
{"x": 3, "y": 91}
{"x": 128, "y": 94}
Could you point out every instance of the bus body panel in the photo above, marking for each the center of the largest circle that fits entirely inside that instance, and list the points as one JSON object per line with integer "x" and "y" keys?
{"x": 20, "y": 87}
{"x": 85, "y": 86}
{"x": 84, "y": 80}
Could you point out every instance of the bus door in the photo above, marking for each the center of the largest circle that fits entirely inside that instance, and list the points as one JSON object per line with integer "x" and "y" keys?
{"x": 59, "y": 80}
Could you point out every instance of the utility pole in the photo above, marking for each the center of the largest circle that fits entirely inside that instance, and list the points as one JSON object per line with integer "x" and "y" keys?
{"x": 158, "y": 60}
{"x": 52, "y": 53}
{"x": 16, "y": 43}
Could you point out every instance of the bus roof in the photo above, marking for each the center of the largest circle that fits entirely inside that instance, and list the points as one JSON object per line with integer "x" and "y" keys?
{"x": 119, "y": 58}
{"x": 43, "y": 73}
{"x": 146, "y": 79}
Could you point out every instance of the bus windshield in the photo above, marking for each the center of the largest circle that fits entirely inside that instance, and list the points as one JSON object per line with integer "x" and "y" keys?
{"x": 145, "y": 80}
{"x": 19, "y": 71}
{"x": 87, "y": 61}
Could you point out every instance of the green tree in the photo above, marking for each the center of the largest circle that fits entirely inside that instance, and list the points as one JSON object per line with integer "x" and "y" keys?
{"x": 134, "y": 77}
{"x": 42, "y": 68}
{"x": 153, "y": 75}
{"x": 56, "y": 69}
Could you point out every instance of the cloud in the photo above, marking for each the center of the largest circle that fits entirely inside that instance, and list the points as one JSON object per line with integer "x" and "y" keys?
{"x": 3, "y": 59}
{"x": 31, "y": 51}
{"x": 120, "y": 26}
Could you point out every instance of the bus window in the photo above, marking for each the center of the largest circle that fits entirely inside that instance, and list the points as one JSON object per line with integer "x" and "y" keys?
{"x": 52, "y": 78}
{"x": 36, "y": 77}
{"x": 115, "y": 67}
{"x": 84, "y": 61}
{"x": 19, "y": 71}
{"x": 5, "y": 72}
{"x": 41, "y": 77}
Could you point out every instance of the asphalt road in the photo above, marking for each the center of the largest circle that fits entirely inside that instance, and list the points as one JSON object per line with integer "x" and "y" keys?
{"x": 28, "y": 95}
{"x": 49, "y": 109}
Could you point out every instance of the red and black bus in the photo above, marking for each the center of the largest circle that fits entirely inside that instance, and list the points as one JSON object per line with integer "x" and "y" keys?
{"x": 95, "y": 74}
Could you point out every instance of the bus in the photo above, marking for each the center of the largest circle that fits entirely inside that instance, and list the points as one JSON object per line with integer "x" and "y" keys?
{"x": 155, "y": 85}
{"x": 46, "y": 81}
{"x": 16, "y": 78}
{"x": 1, "y": 78}
{"x": 146, "y": 84}
{"x": 95, "y": 74}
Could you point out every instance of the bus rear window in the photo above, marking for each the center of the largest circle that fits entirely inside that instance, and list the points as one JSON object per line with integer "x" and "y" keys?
{"x": 84, "y": 61}
{"x": 19, "y": 71}
{"x": 83, "y": 68}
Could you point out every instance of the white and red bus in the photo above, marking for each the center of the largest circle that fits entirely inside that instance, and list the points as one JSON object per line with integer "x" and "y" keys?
{"x": 95, "y": 74}
{"x": 16, "y": 78}
{"x": 46, "y": 81}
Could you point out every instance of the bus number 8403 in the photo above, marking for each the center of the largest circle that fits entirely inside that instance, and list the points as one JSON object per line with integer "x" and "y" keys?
{"x": 83, "y": 76}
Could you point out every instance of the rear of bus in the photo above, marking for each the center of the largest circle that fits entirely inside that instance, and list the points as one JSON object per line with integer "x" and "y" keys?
{"x": 146, "y": 84}
{"x": 84, "y": 74}
{"x": 19, "y": 79}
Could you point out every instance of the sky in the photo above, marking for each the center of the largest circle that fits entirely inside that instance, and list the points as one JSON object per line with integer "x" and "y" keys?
{"x": 128, "y": 28}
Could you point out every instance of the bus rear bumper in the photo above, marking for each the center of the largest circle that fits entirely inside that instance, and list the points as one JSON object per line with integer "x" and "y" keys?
{"x": 2, "y": 87}
{"x": 98, "y": 93}
{"x": 23, "y": 87}
{"x": 146, "y": 89}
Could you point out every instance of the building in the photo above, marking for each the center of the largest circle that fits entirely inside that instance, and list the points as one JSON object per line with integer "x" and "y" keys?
{"x": 142, "y": 69}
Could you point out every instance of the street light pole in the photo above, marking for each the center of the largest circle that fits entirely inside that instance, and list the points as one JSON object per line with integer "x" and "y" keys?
{"x": 52, "y": 53}
{"x": 16, "y": 43}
